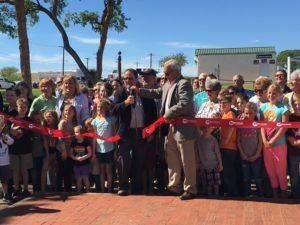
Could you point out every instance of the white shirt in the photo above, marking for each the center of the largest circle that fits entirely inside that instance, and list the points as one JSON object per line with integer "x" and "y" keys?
{"x": 4, "y": 156}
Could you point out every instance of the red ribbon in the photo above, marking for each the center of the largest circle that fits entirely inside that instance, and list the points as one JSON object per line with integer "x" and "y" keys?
{"x": 34, "y": 127}
{"x": 214, "y": 122}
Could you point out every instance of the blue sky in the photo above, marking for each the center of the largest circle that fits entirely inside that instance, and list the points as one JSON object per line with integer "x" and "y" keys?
{"x": 163, "y": 27}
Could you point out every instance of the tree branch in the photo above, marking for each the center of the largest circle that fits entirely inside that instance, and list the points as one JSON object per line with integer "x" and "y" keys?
{"x": 65, "y": 38}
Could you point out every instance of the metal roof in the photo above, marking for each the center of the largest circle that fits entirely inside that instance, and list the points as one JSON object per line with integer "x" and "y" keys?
{"x": 234, "y": 51}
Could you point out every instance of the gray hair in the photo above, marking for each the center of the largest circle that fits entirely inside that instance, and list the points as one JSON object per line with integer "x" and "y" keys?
{"x": 296, "y": 73}
{"x": 240, "y": 76}
{"x": 213, "y": 84}
{"x": 174, "y": 65}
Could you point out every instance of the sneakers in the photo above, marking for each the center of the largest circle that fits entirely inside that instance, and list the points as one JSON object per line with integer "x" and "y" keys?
{"x": 122, "y": 192}
{"x": 16, "y": 194}
{"x": 6, "y": 198}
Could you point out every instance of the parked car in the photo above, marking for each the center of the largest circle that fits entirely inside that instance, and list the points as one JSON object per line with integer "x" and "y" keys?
{"x": 4, "y": 83}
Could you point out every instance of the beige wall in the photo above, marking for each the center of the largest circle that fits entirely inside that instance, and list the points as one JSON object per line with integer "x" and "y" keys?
{"x": 235, "y": 64}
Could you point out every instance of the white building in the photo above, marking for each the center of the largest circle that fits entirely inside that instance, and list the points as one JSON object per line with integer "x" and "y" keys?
{"x": 226, "y": 62}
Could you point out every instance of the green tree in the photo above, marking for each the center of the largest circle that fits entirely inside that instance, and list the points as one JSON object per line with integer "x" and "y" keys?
{"x": 111, "y": 17}
{"x": 10, "y": 73}
{"x": 282, "y": 56}
{"x": 180, "y": 57}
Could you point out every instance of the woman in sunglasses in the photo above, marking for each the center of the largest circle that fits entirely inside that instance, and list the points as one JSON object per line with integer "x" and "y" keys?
{"x": 260, "y": 88}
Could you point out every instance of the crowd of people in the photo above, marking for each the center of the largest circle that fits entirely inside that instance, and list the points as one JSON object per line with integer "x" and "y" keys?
{"x": 175, "y": 160}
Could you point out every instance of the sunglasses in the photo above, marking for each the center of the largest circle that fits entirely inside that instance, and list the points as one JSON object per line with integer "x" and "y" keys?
{"x": 128, "y": 78}
{"x": 208, "y": 91}
{"x": 260, "y": 91}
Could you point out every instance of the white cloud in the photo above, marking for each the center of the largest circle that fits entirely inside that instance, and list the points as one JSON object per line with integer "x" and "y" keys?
{"x": 109, "y": 41}
{"x": 178, "y": 44}
{"x": 255, "y": 41}
{"x": 37, "y": 58}
{"x": 9, "y": 57}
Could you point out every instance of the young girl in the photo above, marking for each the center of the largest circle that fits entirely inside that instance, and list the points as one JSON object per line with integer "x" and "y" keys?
{"x": 80, "y": 152}
{"x": 95, "y": 173}
{"x": 210, "y": 157}
{"x": 104, "y": 126}
{"x": 37, "y": 153}
{"x": 66, "y": 124}
{"x": 250, "y": 147}
{"x": 20, "y": 151}
{"x": 50, "y": 147}
{"x": 5, "y": 140}
{"x": 274, "y": 142}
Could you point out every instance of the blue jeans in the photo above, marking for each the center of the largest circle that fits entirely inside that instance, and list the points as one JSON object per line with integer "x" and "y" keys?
{"x": 294, "y": 166}
{"x": 252, "y": 169}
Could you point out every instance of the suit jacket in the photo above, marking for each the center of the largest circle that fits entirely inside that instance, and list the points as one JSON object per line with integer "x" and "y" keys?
{"x": 180, "y": 105}
{"x": 123, "y": 113}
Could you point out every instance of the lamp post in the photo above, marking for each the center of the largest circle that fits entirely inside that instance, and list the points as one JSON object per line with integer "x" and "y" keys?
{"x": 119, "y": 64}
{"x": 63, "y": 60}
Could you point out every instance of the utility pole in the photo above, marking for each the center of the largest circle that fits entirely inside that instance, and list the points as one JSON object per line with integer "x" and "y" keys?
{"x": 63, "y": 60}
{"x": 137, "y": 64}
{"x": 87, "y": 63}
{"x": 151, "y": 60}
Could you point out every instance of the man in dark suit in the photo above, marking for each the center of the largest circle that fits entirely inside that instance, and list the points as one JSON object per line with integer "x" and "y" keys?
{"x": 177, "y": 101}
{"x": 134, "y": 113}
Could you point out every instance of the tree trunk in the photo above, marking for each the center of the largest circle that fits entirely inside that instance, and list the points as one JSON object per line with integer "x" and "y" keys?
{"x": 23, "y": 43}
{"x": 106, "y": 18}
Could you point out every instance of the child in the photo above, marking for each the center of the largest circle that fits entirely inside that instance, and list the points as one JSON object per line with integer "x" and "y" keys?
{"x": 95, "y": 173}
{"x": 293, "y": 137}
{"x": 80, "y": 152}
{"x": 50, "y": 147}
{"x": 104, "y": 126}
{"x": 250, "y": 147}
{"x": 241, "y": 100}
{"x": 274, "y": 142}
{"x": 210, "y": 157}
{"x": 5, "y": 140}
{"x": 229, "y": 152}
{"x": 37, "y": 153}
{"x": 11, "y": 99}
{"x": 66, "y": 124}
{"x": 20, "y": 151}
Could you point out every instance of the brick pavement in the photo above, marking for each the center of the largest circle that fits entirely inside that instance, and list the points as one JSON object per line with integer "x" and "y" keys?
{"x": 109, "y": 209}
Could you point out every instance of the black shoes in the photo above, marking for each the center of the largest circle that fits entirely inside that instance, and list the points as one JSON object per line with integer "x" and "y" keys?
{"x": 187, "y": 196}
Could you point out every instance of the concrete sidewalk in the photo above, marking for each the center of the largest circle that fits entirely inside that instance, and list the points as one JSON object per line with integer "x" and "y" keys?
{"x": 95, "y": 208}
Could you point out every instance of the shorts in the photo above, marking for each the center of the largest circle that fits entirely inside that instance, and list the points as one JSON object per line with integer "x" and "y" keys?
{"x": 21, "y": 162}
{"x": 212, "y": 177}
{"x": 82, "y": 171}
{"x": 105, "y": 158}
{"x": 4, "y": 174}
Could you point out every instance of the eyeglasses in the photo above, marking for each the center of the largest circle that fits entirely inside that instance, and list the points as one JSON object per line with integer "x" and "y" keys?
{"x": 260, "y": 91}
{"x": 208, "y": 91}
{"x": 231, "y": 92}
{"x": 279, "y": 75}
{"x": 128, "y": 78}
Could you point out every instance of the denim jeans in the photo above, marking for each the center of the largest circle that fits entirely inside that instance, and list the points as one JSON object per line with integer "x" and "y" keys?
{"x": 231, "y": 176}
{"x": 252, "y": 169}
{"x": 294, "y": 166}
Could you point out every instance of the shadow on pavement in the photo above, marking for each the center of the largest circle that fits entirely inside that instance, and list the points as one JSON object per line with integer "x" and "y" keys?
{"x": 20, "y": 210}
